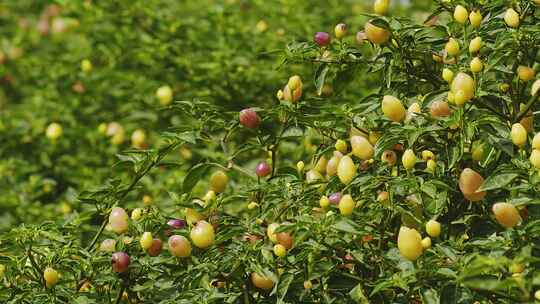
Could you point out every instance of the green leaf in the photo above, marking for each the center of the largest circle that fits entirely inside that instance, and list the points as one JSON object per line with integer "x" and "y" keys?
{"x": 284, "y": 284}
{"x": 503, "y": 144}
{"x": 497, "y": 181}
{"x": 320, "y": 76}
{"x": 489, "y": 283}
{"x": 83, "y": 300}
{"x": 429, "y": 189}
{"x": 430, "y": 296}
{"x": 346, "y": 225}
{"x": 380, "y": 22}
{"x": 447, "y": 272}
{"x": 193, "y": 176}
{"x": 456, "y": 152}
{"x": 53, "y": 236}
{"x": 449, "y": 252}
{"x": 267, "y": 255}
{"x": 357, "y": 294}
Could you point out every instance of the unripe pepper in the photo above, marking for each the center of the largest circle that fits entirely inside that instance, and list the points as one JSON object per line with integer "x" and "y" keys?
{"x": 409, "y": 243}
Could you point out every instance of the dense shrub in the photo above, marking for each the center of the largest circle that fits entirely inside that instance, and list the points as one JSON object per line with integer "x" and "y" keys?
{"x": 420, "y": 188}
{"x": 85, "y": 64}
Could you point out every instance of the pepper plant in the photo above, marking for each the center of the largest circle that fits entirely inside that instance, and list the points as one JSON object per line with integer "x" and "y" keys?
{"x": 424, "y": 191}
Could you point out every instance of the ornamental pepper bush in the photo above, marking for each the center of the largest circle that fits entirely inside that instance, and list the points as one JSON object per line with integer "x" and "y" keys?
{"x": 422, "y": 191}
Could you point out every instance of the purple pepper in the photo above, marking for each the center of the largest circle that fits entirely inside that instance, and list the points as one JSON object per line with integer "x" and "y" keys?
{"x": 263, "y": 169}
{"x": 334, "y": 198}
{"x": 176, "y": 223}
{"x": 322, "y": 39}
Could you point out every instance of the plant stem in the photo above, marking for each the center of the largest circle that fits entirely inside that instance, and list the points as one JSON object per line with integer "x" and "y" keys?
{"x": 274, "y": 149}
{"x": 246, "y": 295}
{"x": 383, "y": 230}
{"x": 35, "y": 266}
{"x": 523, "y": 112}
{"x": 162, "y": 153}
{"x": 120, "y": 293}
{"x": 96, "y": 237}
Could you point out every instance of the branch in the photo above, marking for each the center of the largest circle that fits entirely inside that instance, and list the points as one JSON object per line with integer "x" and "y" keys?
{"x": 35, "y": 266}
{"x": 479, "y": 101}
{"x": 527, "y": 107}
{"x": 162, "y": 153}
{"x": 120, "y": 293}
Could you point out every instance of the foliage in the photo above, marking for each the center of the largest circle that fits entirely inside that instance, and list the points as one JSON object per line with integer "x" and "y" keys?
{"x": 221, "y": 51}
{"x": 481, "y": 256}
